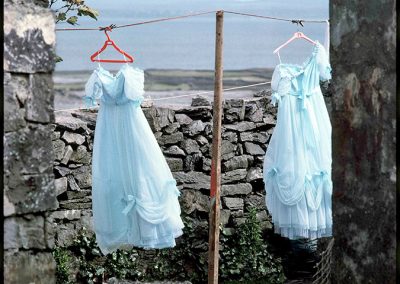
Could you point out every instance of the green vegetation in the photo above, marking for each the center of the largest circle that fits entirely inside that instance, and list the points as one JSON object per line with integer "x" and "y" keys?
{"x": 244, "y": 257}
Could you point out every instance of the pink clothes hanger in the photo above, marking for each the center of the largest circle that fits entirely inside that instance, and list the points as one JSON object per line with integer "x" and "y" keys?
{"x": 295, "y": 36}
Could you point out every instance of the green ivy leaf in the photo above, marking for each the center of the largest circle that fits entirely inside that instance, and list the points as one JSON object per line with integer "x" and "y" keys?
{"x": 61, "y": 17}
{"x": 72, "y": 20}
{"x": 87, "y": 11}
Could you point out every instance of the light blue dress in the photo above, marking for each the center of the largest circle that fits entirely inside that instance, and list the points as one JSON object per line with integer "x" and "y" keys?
{"x": 297, "y": 164}
{"x": 134, "y": 195}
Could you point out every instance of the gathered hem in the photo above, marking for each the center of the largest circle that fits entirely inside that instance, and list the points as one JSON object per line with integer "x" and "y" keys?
{"x": 302, "y": 233}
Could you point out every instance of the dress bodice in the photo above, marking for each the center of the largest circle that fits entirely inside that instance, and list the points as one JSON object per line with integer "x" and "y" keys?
{"x": 127, "y": 85}
{"x": 301, "y": 80}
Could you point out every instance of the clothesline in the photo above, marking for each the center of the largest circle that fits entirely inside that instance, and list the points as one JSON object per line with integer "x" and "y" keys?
{"x": 295, "y": 21}
{"x": 181, "y": 96}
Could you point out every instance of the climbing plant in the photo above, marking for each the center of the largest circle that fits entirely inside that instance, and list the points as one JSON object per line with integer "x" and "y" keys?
{"x": 244, "y": 258}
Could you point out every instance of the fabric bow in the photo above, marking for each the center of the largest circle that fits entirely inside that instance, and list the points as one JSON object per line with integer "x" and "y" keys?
{"x": 131, "y": 200}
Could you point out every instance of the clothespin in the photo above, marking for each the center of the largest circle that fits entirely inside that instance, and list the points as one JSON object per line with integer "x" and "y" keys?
{"x": 108, "y": 28}
{"x": 298, "y": 22}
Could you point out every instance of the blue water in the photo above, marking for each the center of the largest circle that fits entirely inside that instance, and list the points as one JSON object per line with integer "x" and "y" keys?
{"x": 189, "y": 43}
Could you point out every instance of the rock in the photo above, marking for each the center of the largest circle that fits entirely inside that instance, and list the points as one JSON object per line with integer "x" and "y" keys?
{"x": 25, "y": 266}
{"x": 253, "y": 137}
{"x": 202, "y": 113}
{"x": 201, "y": 140}
{"x": 193, "y": 162}
{"x": 170, "y": 139}
{"x": 83, "y": 176}
{"x": 173, "y": 127}
{"x": 233, "y": 203}
{"x": 158, "y": 118}
{"x": 81, "y": 155}
{"x": 175, "y": 151}
{"x": 200, "y": 101}
{"x": 208, "y": 129}
{"x": 69, "y": 215}
{"x": 227, "y": 150}
{"x": 192, "y": 200}
{"x": 232, "y": 115}
{"x": 193, "y": 180}
{"x": 55, "y": 135}
{"x": 262, "y": 216}
{"x": 194, "y": 128}
{"x": 190, "y": 146}
{"x": 206, "y": 164}
{"x": 39, "y": 104}
{"x": 230, "y": 136}
{"x": 65, "y": 120}
{"x": 82, "y": 203}
{"x": 183, "y": 119}
{"x": 61, "y": 171}
{"x": 237, "y": 162}
{"x": 254, "y": 174}
{"x": 224, "y": 216}
{"x": 72, "y": 183}
{"x": 58, "y": 148}
{"x": 255, "y": 200}
{"x": 24, "y": 232}
{"x": 205, "y": 150}
{"x": 236, "y": 189}
{"x": 175, "y": 164}
{"x": 239, "y": 221}
{"x": 67, "y": 155}
{"x": 60, "y": 185}
{"x": 262, "y": 93}
{"x": 78, "y": 194}
{"x": 237, "y": 213}
{"x": 253, "y": 149}
{"x": 233, "y": 176}
{"x": 241, "y": 126}
{"x": 269, "y": 119}
{"x": 239, "y": 150}
{"x": 73, "y": 138}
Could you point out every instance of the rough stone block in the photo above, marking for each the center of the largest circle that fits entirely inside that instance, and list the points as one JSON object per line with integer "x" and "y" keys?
{"x": 83, "y": 176}
{"x": 236, "y": 189}
{"x": 233, "y": 203}
{"x": 174, "y": 151}
{"x": 29, "y": 39}
{"x": 29, "y": 267}
{"x": 254, "y": 174}
{"x": 13, "y": 113}
{"x": 28, "y": 150}
{"x": 40, "y": 102}
{"x": 255, "y": 200}
{"x": 253, "y": 149}
{"x": 67, "y": 155}
{"x": 194, "y": 128}
{"x": 175, "y": 164}
{"x": 73, "y": 138}
{"x": 183, "y": 119}
{"x": 233, "y": 176}
{"x": 31, "y": 193}
{"x": 241, "y": 126}
{"x": 253, "y": 137}
{"x": 192, "y": 200}
{"x": 200, "y": 101}
{"x": 190, "y": 146}
{"x": 193, "y": 162}
{"x": 224, "y": 216}
{"x": 24, "y": 232}
{"x": 81, "y": 155}
{"x": 170, "y": 139}
{"x": 61, "y": 185}
{"x": 193, "y": 180}
{"x": 65, "y": 120}
{"x": 59, "y": 149}
{"x": 237, "y": 162}
{"x": 173, "y": 127}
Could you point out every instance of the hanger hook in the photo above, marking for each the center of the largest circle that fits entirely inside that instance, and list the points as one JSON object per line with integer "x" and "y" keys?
{"x": 107, "y": 29}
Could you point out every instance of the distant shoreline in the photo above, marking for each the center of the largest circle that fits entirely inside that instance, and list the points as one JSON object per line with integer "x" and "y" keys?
{"x": 69, "y": 85}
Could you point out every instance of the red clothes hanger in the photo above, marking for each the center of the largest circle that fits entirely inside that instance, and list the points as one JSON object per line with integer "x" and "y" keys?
{"x": 94, "y": 57}
{"x": 295, "y": 36}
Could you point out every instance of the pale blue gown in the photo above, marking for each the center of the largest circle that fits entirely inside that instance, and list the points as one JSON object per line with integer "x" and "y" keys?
{"x": 135, "y": 198}
{"x": 297, "y": 164}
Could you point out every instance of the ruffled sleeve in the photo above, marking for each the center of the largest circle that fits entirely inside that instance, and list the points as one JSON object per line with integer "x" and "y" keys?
{"x": 134, "y": 85}
{"x": 93, "y": 90}
{"x": 323, "y": 64}
{"x": 276, "y": 78}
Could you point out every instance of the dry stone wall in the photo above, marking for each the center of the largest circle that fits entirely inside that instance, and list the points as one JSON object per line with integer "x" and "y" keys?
{"x": 185, "y": 137}
{"x": 29, "y": 190}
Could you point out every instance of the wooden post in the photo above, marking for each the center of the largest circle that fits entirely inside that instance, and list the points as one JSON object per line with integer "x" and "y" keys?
{"x": 213, "y": 241}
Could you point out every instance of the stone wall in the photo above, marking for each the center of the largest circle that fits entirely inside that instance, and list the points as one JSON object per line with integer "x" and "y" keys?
{"x": 363, "y": 56}
{"x": 185, "y": 136}
{"x": 29, "y": 191}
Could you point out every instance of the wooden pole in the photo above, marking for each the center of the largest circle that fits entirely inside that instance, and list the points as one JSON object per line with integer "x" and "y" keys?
{"x": 213, "y": 241}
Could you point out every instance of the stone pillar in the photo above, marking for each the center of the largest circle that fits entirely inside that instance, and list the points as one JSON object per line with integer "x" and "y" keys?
{"x": 363, "y": 42}
{"x": 29, "y": 41}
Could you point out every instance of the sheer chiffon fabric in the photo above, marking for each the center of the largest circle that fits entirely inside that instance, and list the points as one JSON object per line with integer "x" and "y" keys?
{"x": 297, "y": 164}
{"x": 135, "y": 198}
